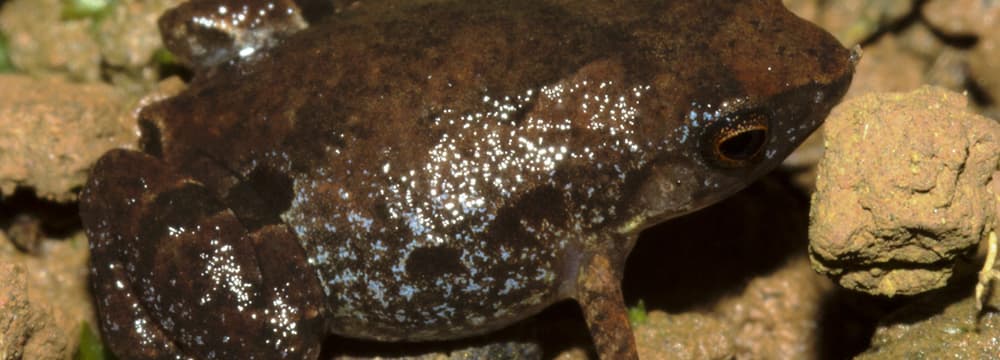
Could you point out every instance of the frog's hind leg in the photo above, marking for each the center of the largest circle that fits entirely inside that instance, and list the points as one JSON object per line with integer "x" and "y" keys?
{"x": 175, "y": 274}
{"x": 599, "y": 294}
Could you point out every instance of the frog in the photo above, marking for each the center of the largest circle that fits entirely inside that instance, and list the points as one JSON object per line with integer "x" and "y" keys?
{"x": 433, "y": 169}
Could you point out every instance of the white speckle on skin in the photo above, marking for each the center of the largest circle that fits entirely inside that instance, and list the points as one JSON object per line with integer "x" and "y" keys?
{"x": 452, "y": 199}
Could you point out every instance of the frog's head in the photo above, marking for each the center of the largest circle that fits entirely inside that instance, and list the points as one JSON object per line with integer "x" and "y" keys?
{"x": 750, "y": 93}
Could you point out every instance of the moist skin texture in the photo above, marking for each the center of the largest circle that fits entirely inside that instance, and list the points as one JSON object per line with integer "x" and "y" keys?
{"x": 434, "y": 169}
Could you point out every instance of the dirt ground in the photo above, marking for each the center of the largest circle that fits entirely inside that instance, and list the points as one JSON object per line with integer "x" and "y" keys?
{"x": 736, "y": 280}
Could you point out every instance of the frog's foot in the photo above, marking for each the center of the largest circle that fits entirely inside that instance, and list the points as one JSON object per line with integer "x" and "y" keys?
{"x": 175, "y": 274}
{"x": 987, "y": 274}
{"x": 600, "y": 296}
{"x": 205, "y": 33}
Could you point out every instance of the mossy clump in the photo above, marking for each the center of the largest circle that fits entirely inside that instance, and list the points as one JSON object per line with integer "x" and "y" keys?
{"x": 91, "y": 347}
{"x": 637, "y": 314}
{"x": 5, "y": 64}
{"x": 82, "y": 9}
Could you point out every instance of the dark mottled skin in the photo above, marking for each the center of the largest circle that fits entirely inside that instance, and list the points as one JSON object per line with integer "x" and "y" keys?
{"x": 437, "y": 169}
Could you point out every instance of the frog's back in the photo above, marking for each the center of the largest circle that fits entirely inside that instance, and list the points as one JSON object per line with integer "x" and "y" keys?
{"x": 379, "y": 77}
{"x": 381, "y": 74}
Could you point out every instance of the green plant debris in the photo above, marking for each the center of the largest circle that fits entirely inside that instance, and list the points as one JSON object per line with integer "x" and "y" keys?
{"x": 82, "y": 9}
{"x": 167, "y": 64}
{"x": 637, "y": 314}
{"x": 91, "y": 347}
{"x": 163, "y": 57}
{"x": 5, "y": 64}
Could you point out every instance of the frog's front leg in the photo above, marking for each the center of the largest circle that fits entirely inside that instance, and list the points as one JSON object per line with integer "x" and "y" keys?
{"x": 599, "y": 294}
{"x": 175, "y": 273}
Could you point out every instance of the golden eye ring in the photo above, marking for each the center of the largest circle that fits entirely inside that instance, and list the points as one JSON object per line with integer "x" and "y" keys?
{"x": 739, "y": 140}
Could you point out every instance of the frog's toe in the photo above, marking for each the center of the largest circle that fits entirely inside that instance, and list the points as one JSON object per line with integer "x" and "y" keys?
{"x": 108, "y": 208}
{"x": 175, "y": 273}
{"x": 205, "y": 33}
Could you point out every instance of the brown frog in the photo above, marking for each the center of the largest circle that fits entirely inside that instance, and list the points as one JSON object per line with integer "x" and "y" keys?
{"x": 433, "y": 169}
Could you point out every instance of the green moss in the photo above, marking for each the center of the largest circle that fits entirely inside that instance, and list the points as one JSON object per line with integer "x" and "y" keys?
{"x": 5, "y": 64}
{"x": 82, "y": 9}
{"x": 637, "y": 314}
{"x": 168, "y": 64}
{"x": 91, "y": 347}
{"x": 163, "y": 57}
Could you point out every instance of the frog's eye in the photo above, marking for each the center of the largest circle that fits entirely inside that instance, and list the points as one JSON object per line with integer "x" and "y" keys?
{"x": 738, "y": 140}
